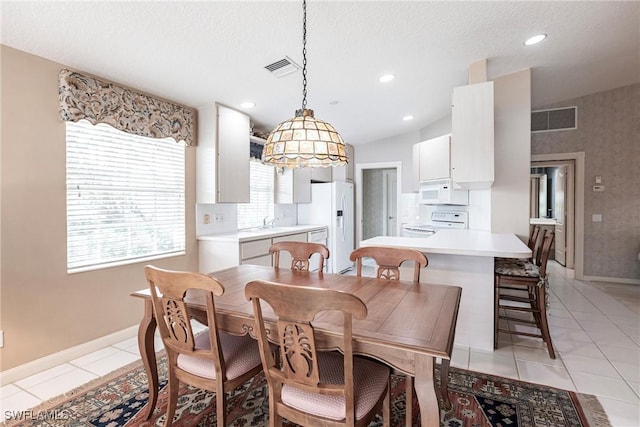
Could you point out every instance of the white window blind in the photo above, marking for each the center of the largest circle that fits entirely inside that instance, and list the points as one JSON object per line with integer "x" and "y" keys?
{"x": 125, "y": 197}
{"x": 261, "y": 178}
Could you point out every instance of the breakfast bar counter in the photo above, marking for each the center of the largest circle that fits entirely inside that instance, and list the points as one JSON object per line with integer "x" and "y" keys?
{"x": 463, "y": 258}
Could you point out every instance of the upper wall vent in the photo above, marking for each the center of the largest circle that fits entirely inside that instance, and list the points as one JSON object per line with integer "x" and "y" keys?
{"x": 555, "y": 119}
{"x": 283, "y": 67}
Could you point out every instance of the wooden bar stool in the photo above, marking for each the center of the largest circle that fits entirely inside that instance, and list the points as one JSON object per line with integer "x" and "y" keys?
{"x": 530, "y": 277}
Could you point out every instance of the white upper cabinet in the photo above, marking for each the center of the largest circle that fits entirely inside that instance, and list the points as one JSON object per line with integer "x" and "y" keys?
{"x": 232, "y": 159}
{"x": 321, "y": 174}
{"x": 345, "y": 173}
{"x": 293, "y": 185}
{"x": 472, "y": 148}
{"x": 434, "y": 158}
{"x": 336, "y": 173}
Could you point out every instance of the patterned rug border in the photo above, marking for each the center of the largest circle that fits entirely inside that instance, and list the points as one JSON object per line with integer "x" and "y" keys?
{"x": 588, "y": 406}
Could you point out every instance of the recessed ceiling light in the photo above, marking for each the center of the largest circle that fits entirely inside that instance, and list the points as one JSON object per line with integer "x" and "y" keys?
{"x": 248, "y": 104}
{"x": 535, "y": 39}
{"x": 407, "y": 118}
{"x": 387, "y": 78}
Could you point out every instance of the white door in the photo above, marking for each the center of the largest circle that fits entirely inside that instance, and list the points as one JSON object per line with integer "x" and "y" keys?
{"x": 560, "y": 214}
{"x": 390, "y": 202}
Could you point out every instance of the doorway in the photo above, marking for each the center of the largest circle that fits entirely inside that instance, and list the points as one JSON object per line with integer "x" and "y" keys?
{"x": 557, "y": 195}
{"x": 552, "y": 205}
{"x": 378, "y": 189}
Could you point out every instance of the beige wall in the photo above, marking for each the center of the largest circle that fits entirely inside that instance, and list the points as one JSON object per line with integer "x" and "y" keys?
{"x": 609, "y": 135}
{"x": 44, "y": 309}
{"x": 510, "y": 189}
{"x": 394, "y": 149}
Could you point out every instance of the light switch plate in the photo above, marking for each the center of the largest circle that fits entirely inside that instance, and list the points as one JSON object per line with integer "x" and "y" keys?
{"x": 1, "y": 339}
{"x": 596, "y": 218}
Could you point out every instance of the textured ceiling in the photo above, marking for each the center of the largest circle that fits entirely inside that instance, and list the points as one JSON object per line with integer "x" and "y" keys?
{"x": 200, "y": 52}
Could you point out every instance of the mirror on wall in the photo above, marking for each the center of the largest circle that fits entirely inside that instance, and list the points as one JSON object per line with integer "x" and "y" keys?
{"x": 543, "y": 192}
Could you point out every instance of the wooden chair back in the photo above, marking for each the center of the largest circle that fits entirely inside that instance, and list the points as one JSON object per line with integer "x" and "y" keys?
{"x": 168, "y": 292}
{"x": 388, "y": 261}
{"x": 536, "y": 256}
{"x": 300, "y": 254}
{"x": 545, "y": 252}
{"x": 295, "y": 308}
{"x": 533, "y": 236}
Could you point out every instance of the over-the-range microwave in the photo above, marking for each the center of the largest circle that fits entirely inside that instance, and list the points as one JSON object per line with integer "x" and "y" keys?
{"x": 441, "y": 192}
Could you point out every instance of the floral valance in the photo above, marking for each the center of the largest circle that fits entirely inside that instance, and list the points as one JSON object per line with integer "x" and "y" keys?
{"x": 84, "y": 97}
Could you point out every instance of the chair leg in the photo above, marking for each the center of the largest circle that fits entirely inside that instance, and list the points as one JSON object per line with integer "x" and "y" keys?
{"x": 496, "y": 310}
{"x": 544, "y": 325}
{"x": 221, "y": 406}
{"x": 174, "y": 386}
{"x": 386, "y": 407}
{"x": 408, "y": 386}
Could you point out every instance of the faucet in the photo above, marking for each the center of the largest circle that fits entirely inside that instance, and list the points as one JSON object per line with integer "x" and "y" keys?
{"x": 266, "y": 223}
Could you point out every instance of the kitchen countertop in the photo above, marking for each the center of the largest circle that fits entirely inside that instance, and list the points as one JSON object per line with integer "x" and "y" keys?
{"x": 262, "y": 233}
{"x": 459, "y": 242}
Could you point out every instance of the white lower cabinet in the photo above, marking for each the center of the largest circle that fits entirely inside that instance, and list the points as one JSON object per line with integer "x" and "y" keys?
{"x": 285, "y": 257}
{"x": 218, "y": 254}
{"x": 255, "y": 252}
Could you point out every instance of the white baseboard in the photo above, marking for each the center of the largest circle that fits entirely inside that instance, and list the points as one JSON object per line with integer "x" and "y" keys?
{"x": 611, "y": 280}
{"x": 64, "y": 356}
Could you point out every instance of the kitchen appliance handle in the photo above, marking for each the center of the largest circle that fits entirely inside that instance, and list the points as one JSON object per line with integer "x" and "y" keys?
{"x": 344, "y": 234}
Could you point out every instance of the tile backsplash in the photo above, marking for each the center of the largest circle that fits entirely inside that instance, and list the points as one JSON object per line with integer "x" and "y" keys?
{"x": 223, "y": 217}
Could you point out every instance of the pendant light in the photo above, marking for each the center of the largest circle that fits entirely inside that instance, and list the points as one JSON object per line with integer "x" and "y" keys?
{"x": 304, "y": 141}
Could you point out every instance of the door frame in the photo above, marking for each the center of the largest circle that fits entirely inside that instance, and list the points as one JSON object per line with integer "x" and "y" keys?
{"x": 579, "y": 159}
{"x": 360, "y": 167}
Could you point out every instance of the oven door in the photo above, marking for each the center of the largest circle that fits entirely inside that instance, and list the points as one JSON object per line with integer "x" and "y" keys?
{"x": 416, "y": 231}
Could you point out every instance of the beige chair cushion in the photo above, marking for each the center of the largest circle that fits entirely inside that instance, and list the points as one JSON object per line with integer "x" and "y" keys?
{"x": 370, "y": 380}
{"x": 241, "y": 354}
{"x": 516, "y": 267}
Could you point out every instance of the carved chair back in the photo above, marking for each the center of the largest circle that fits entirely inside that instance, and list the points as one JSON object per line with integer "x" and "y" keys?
{"x": 295, "y": 308}
{"x": 388, "y": 261}
{"x": 300, "y": 254}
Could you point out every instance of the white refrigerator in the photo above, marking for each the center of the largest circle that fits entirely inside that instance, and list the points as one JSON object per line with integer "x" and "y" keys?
{"x": 332, "y": 204}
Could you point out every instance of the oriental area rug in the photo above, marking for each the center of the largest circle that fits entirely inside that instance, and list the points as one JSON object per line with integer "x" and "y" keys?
{"x": 477, "y": 400}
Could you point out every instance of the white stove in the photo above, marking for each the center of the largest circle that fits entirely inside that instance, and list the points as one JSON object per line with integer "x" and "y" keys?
{"x": 439, "y": 220}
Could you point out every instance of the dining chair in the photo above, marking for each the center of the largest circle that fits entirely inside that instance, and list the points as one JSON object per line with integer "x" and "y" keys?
{"x": 211, "y": 360}
{"x": 388, "y": 261}
{"x": 312, "y": 387}
{"x": 300, "y": 252}
{"x": 532, "y": 278}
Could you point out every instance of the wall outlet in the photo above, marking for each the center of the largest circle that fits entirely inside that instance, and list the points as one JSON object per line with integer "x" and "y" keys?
{"x": 1, "y": 339}
{"x": 218, "y": 217}
{"x": 206, "y": 219}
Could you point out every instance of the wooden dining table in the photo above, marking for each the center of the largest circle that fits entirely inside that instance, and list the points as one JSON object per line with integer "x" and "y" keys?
{"x": 408, "y": 324}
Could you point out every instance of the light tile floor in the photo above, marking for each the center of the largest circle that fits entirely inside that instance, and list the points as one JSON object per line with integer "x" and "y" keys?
{"x": 595, "y": 328}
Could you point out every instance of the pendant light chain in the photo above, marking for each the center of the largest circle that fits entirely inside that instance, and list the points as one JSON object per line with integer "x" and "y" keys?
{"x": 304, "y": 54}
{"x": 304, "y": 140}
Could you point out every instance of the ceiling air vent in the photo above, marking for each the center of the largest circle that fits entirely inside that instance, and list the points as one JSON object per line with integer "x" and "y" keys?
{"x": 283, "y": 67}
{"x": 556, "y": 119}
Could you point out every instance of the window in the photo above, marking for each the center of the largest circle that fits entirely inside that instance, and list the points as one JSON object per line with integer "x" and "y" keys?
{"x": 261, "y": 179}
{"x": 125, "y": 197}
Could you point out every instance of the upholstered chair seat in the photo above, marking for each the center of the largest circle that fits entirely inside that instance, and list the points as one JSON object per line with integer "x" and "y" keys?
{"x": 369, "y": 378}
{"x": 241, "y": 354}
